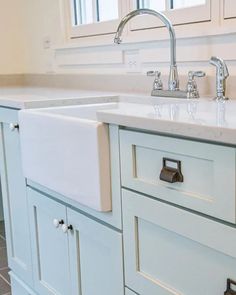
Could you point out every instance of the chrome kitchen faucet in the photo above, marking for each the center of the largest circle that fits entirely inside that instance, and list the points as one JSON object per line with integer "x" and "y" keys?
{"x": 173, "y": 83}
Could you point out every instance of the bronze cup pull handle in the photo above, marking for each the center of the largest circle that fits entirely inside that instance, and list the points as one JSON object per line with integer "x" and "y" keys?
{"x": 229, "y": 290}
{"x": 171, "y": 171}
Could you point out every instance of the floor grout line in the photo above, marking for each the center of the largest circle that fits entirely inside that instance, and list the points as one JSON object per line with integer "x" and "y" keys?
{"x": 5, "y": 280}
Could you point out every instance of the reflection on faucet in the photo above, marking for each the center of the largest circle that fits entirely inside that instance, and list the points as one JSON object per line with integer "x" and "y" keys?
{"x": 167, "y": 111}
{"x": 174, "y": 112}
{"x": 158, "y": 110}
{"x": 192, "y": 110}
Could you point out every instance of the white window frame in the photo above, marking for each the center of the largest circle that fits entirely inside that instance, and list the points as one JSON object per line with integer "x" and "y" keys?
{"x": 227, "y": 23}
{"x": 94, "y": 29}
{"x": 218, "y": 17}
{"x": 180, "y": 16}
{"x": 229, "y": 8}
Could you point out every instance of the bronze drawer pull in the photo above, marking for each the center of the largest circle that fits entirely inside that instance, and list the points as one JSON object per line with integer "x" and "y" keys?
{"x": 171, "y": 174}
{"x": 229, "y": 290}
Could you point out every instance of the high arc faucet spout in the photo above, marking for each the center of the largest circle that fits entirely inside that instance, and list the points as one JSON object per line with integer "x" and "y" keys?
{"x": 173, "y": 83}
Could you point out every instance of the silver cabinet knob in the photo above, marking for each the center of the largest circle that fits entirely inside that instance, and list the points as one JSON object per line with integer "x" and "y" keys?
{"x": 13, "y": 126}
{"x": 65, "y": 228}
{"x": 57, "y": 222}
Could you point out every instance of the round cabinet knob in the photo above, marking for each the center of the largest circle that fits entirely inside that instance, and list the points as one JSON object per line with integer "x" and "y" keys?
{"x": 13, "y": 126}
{"x": 65, "y": 228}
{"x": 57, "y": 222}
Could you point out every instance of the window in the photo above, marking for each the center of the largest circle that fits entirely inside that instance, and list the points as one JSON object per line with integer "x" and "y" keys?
{"x": 175, "y": 4}
{"x": 168, "y": 4}
{"x": 152, "y": 4}
{"x": 229, "y": 9}
{"x": 94, "y": 17}
{"x": 178, "y": 11}
{"x": 90, "y": 11}
{"x": 101, "y": 17}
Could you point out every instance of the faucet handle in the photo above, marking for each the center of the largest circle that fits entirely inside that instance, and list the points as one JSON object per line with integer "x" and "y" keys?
{"x": 192, "y": 91}
{"x": 199, "y": 74}
{"x": 157, "y": 84}
{"x": 157, "y": 74}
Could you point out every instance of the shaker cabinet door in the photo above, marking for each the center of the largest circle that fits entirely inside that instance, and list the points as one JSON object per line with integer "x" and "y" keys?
{"x": 95, "y": 256}
{"x": 49, "y": 245}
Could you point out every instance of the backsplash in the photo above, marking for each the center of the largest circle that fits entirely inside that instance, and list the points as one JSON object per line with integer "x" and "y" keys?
{"x": 132, "y": 83}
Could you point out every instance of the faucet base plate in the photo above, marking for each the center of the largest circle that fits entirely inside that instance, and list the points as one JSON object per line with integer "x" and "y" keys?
{"x": 170, "y": 93}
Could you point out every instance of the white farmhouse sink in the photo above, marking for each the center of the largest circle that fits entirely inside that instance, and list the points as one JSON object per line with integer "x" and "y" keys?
{"x": 67, "y": 150}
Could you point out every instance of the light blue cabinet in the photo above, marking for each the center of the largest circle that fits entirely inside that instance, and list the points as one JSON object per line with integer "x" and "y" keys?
{"x": 95, "y": 257}
{"x": 49, "y": 246}
{"x": 18, "y": 287}
{"x": 208, "y": 171}
{"x": 77, "y": 257}
{"x": 14, "y": 198}
{"x": 169, "y": 251}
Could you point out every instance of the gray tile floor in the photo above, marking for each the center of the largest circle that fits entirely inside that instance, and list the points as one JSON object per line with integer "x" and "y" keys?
{"x": 5, "y": 288}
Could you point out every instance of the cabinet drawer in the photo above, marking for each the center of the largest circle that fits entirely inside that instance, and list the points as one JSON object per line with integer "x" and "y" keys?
{"x": 208, "y": 172}
{"x": 169, "y": 251}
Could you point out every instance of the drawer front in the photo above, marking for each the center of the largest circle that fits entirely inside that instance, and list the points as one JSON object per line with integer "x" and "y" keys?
{"x": 170, "y": 251}
{"x": 208, "y": 172}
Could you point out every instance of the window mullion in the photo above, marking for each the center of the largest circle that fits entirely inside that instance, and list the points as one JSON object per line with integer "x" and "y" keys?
{"x": 95, "y": 10}
{"x": 169, "y": 5}
{"x": 79, "y": 10}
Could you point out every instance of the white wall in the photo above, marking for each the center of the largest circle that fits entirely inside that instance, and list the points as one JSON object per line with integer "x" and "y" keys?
{"x": 12, "y": 52}
{"x": 45, "y": 20}
{"x": 42, "y": 21}
{"x": 33, "y": 21}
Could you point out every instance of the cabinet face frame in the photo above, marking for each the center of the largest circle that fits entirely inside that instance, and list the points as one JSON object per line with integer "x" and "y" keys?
{"x": 16, "y": 215}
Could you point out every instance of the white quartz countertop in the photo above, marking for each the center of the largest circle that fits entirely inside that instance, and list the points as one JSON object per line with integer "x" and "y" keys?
{"x": 35, "y": 97}
{"x": 203, "y": 119}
